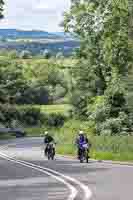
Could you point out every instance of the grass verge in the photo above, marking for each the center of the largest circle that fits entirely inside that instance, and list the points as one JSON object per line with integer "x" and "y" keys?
{"x": 6, "y": 136}
{"x": 117, "y": 148}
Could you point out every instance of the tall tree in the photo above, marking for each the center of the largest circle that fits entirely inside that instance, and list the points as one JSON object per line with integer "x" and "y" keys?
{"x": 130, "y": 19}
{"x": 1, "y": 8}
{"x": 102, "y": 27}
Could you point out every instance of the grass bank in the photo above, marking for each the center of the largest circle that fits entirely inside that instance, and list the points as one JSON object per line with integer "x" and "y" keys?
{"x": 6, "y": 136}
{"x": 103, "y": 147}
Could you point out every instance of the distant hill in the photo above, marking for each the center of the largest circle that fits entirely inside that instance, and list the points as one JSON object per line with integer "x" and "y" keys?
{"x": 66, "y": 47}
{"x": 32, "y": 34}
{"x": 37, "y": 41}
{"x": 63, "y": 35}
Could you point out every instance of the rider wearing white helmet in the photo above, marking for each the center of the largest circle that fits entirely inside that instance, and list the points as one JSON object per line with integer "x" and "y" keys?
{"x": 81, "y": 138}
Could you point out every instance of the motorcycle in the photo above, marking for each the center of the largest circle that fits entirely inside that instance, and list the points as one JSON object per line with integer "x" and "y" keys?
{"x": 84, "y": 153}
{"x": 50, "y": 151}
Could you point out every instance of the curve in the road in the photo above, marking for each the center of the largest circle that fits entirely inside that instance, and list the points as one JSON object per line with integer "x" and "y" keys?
{"x": 68, "y": 181}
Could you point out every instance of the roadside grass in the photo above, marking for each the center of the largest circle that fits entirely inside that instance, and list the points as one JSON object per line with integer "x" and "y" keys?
{"x": 124, "y": 152}
{"x": 117, "y": 148}
{"x": 34, "y": 131}
{"x": 66, "y": 149}
{"x": 126, "y": 156}
{"x": 113, "y": 148}
{"x": 6, "y": 136}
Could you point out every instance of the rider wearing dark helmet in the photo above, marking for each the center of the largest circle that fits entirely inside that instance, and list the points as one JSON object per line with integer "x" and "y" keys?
{"x": 47, "y": 139}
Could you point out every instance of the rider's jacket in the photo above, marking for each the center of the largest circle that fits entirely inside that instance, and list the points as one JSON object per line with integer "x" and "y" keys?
{"x": 48, "y": 139}
{"x": 81, "y": 140}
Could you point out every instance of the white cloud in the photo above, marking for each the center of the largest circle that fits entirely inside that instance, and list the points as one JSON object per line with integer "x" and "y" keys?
{"x": 48, "y": 4}
{"x": 34, "y": 14}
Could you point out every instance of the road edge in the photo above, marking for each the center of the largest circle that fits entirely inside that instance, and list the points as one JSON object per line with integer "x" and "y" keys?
{"x": 96, "y": 160}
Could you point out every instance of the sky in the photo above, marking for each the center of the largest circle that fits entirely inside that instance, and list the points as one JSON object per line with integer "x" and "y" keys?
{"x": 34, "y": 14}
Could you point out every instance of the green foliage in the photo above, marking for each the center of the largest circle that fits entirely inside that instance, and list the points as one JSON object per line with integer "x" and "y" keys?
{"x": 48, "y": 75}
{"x": 130, "y": 6}
{"x": 59, "y": 55}
{"x": 103, "y": 147}
{"x": 46, "y": 54}
{"x": 28, "y": 116}
{"x": 34, "y": 94}
{"x": 104, "y": 60}
{"x": 79, "y": 105}
{"x": 31, "y": 116}
{"x": 1, "y": 8}
{"x": 13, "y": 54}
{"x": 25, "y": 54}
{"x": 55, "y": 120}
{"x": 3, "y": 39}
{"x": 12, "y": 81}
{"x": 31, "y": 81}
{"x": 57, "y": 108}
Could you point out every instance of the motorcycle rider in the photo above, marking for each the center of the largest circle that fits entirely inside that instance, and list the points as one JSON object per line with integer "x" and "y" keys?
{"x": 47, "y": 140}
{"x": 80, "y": 140}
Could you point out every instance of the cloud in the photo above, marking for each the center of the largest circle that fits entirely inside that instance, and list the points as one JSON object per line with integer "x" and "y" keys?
{"x": 58, "y": 4}
{"x": 34, "y": 14}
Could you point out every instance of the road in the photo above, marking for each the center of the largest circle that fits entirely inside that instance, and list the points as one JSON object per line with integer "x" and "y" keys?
{"x": 26, "y": 175}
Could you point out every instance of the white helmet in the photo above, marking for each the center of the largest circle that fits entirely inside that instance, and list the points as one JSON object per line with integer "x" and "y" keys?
{"x": 46, "y": 133}
{"x": 81, "y": 132}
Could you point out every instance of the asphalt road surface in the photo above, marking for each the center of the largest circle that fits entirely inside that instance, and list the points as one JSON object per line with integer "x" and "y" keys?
{"x": 26, "y": 175}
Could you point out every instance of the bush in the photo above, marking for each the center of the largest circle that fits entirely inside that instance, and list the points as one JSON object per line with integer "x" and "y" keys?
{"x": 56, "y": 120}
{"x": 7, "y": 114}
{"x": 25, "y": 54}
{"x": 12, "y": 116}
{"x": 114, "y": 126}
{"x": 24, "y": 116}
{"x": 13, "y": 54}
{"x": 79, "y": 104}
{"x": 31, "y": 116}
{"x": 36, "y": 95}
{"x": 46, "y": 54}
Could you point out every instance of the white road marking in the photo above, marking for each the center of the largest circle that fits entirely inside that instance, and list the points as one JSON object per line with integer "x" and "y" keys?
{"x": 86, "y": 190}
{"x": 73, "y": 190}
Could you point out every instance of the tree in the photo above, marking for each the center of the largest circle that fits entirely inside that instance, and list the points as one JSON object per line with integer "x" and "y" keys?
{"x": 13, "y": 54}
{"x": 104, "y": 58}
{"x": 25, "y": 54}
{"x": 130, "y": 22}
{"x": 1, "y": 8}
{"x": 3, "y": 39}
{"x": 46, "y": 54}
{"x": 12, "y": 81}
{"x": 59, "y": 55}
{"x": 50, "y": 77}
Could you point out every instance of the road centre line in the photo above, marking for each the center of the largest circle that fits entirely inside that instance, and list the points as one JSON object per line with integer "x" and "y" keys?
{"x": 73, "y": 191}
{"x": 87, "y": 192}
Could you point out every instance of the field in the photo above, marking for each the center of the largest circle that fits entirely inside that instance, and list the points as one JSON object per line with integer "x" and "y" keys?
{"x": 61, "y": 108}
{"x": 35, "y": 47}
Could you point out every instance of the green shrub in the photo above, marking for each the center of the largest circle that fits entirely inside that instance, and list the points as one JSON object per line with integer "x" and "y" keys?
{"x": 31, "y": 116}
{"x": 36, "y": 95}
{"x": 56, "y": 120}
{"x": 25, "y": 116}
{"x": 25, "y": 54}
